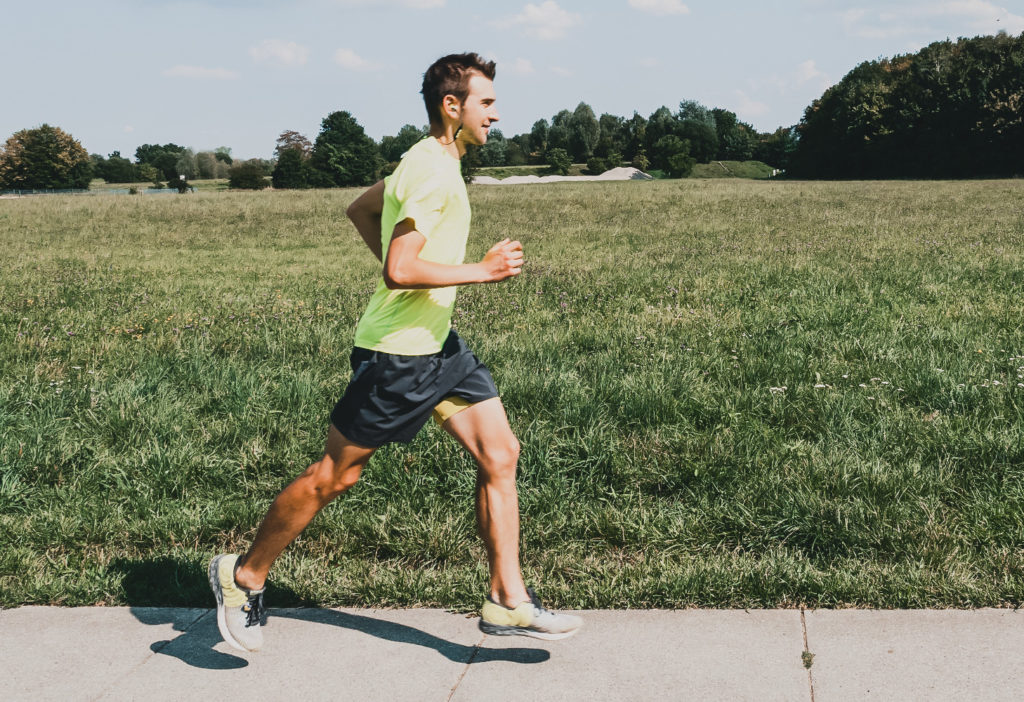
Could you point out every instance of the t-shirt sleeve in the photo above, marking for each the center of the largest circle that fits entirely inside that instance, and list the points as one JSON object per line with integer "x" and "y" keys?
{"x": 418, "y": 197}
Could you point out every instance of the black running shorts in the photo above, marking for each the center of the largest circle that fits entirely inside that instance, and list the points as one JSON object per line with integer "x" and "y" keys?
{"x": 390, "y": 397}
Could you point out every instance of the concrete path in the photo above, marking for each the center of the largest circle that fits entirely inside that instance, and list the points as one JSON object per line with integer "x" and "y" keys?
{"x": 100, "y": 653}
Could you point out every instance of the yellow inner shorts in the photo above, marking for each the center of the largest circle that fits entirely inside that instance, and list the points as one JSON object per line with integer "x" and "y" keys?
{"x": 448, "y": 408}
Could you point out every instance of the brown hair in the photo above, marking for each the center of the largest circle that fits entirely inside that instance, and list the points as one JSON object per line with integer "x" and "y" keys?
{"x": 449, "y": 75}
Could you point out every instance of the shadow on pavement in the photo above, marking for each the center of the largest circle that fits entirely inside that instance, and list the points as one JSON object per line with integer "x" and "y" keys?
{"x": 194, "y": 647}
{"x": 401, "y": 633}
{"x": 152, "y": 586}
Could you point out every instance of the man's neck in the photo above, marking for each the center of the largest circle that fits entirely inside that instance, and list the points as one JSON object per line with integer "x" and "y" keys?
{"x": 445, "y": 136}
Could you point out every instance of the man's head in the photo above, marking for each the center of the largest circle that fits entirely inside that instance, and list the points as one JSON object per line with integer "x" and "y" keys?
{"x": 458, "y": 89}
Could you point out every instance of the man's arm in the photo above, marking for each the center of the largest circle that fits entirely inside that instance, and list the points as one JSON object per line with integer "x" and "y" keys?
{"x": 405, "y": 270}
{"x": 365, "y": 214}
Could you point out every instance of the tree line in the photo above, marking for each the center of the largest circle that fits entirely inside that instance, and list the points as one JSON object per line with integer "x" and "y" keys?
{"x": 953, "y": 109}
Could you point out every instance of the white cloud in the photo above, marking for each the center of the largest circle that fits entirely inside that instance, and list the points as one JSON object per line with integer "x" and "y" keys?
{"x": 982, "y": 16}
{"x": 279, "y": 52}
{"x": 808, "y": 71}
{"x": 182, "y": 71}
{"x": 128, "y": 129}
{"x": 806, "y": 76}
{"x": 561, "y": 72}
{"x": 544, "y": 21}
{"x": 965, "y": 16}
{"x": 660, "y": 7}
{"x": 648, "y": 62}
{"x": 749, "y": 108}
{"x": 521, "y": 67}
{"x": 413, "y": 4}
{"x": 349, "y": 59}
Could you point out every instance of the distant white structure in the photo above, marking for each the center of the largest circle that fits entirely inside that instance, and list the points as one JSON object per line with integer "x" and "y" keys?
{"x": 623, "y": 173}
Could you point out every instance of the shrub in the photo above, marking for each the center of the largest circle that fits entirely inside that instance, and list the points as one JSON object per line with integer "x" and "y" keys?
{"x": 247, "y": 175}
{"x": 640, "y": 161}
{"x": 596, "y": 166}
{"x": 559, "y": 161}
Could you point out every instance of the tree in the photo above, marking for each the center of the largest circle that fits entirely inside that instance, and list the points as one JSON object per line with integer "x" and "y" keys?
{"x": 470, "y": 162}
{"x": 44, "y": 158}
{"x": 584, "y": 132}
{"x": 672, "y": 155}
{"x": 114, "y": 169}
{"x": 640, "y": 161}
{"x": 539, "y": 137}
{"x": 559, "y": 161}
{"x": 223, "y": 154}
{"x": 393, "y": 148}
{"x": 634, "y": 135}
{"x": 777, "y": 148}
{"x": 516, "y": 155}
{"x": 702, "y": 137}
{"x": 149, "y": 174}
{"x": 691, "y": 110}
{"x": 248, "y": 175}
{"x": 292, "y": 170}
{"x": 185, "y": 165}
{"x": 953, "y": 109}
{"x": 660, "y": 124}
{"x": 495, "y": 151}
{"x": 206, "y": 164}
{"x": 163, "y": 158}
{"x": 680, "y": 165}
{"x": 343, "y": 154}
{"x": 290, "y": 139}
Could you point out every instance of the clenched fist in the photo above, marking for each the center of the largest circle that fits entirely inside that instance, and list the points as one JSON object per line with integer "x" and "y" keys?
{"x": 503, "y": 260}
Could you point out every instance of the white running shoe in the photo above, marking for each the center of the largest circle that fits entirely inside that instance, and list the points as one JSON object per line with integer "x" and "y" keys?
{"x": 529, "y": 618}
{"x": 240, "y": 612}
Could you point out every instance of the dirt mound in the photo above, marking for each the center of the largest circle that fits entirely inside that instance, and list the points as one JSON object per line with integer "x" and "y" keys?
{"x": 623, "y": 173}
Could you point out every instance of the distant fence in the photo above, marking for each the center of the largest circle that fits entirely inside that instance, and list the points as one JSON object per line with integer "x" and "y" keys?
{"x": 98, "y": 191}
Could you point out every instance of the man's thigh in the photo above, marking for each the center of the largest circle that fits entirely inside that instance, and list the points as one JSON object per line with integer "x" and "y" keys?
{"x": 483, "y": 429}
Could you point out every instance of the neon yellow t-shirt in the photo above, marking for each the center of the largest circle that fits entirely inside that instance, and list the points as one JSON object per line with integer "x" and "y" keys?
{"x": 427, "y": 187}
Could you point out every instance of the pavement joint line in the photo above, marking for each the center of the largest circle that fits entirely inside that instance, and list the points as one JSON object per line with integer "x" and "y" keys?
{"x": 472, "y": 656}
{"x": 807, "y": 649}
{"x": 153, "y": 653}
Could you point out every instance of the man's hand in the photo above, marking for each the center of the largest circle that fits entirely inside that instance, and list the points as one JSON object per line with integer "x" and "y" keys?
{"x": 503, "y": 260}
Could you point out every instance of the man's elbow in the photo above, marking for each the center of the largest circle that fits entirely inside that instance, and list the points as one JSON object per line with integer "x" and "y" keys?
{"x": 395, "y": 278}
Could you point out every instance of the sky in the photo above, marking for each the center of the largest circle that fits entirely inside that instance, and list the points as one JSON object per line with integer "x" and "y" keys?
{"x": 236, "y": 73}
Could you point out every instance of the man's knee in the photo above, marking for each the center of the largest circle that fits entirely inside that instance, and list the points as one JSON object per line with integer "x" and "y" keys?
{"x": 329, "y": 479}
{"x": 499, "y": 458}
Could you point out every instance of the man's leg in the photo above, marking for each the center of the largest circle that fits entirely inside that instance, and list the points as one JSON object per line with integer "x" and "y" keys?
{"x": 238, "y": 583}
{"x": 295, "y": 507}
{"x": 512, "y": 610}
{"x": 484, "y": 430}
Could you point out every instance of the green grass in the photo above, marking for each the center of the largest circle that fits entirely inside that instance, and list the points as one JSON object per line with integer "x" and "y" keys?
{"x": 732, "y": 169}
{"x": 729, "y": 393}
{"x": 100, "y": 186}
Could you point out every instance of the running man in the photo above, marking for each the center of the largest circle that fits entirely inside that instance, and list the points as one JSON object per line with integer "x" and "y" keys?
{"x": 408, "y": 364}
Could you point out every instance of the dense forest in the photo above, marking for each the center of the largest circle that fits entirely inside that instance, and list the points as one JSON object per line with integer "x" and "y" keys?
{"x": 952, "y": 110}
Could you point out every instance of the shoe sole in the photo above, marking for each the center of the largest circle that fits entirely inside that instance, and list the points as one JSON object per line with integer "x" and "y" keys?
{"x": 222, "y": 623}
{"x": 498, "y": 630}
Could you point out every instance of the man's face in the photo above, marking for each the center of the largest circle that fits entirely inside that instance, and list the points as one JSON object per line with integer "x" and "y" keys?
{"x": 478, "y": 111}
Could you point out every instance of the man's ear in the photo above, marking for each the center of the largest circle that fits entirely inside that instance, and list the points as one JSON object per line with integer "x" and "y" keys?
{"x": 450, "y": 106}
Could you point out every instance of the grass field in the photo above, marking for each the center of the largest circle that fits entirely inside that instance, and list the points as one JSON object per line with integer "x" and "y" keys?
{"x": 729, "y": 393}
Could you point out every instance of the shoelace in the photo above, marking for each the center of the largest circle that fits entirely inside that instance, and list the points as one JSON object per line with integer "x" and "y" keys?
{"x": 254, "y": 609}
{"x": 534, "y": 600}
